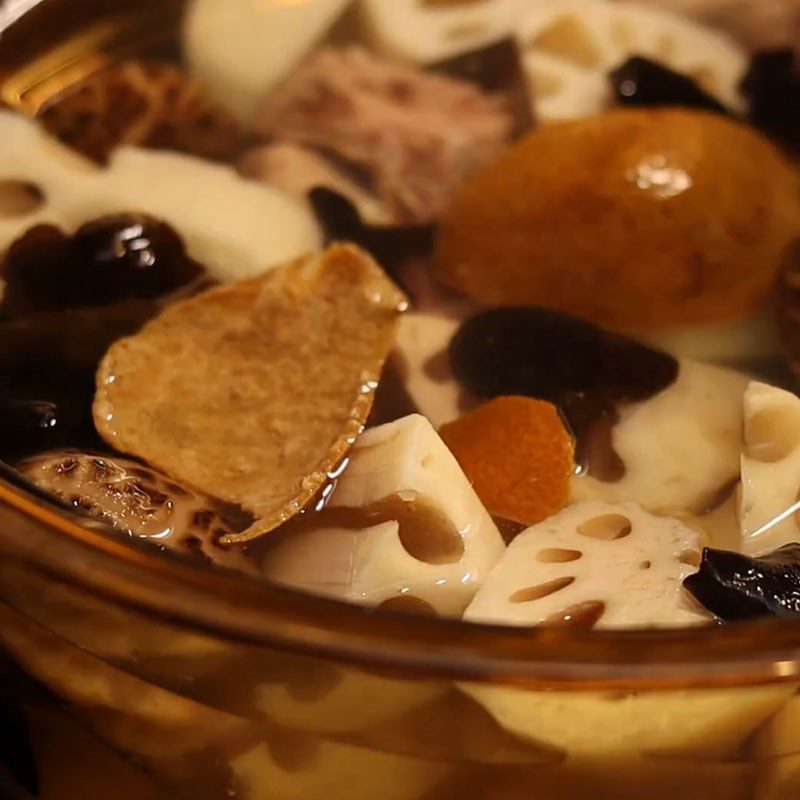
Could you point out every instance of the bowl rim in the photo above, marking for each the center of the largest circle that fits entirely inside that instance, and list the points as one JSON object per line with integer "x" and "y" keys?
{"x": 72, "y": 549}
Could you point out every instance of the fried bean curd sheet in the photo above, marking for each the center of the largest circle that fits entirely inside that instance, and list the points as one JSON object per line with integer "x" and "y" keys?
{"x": 253, "y": 392}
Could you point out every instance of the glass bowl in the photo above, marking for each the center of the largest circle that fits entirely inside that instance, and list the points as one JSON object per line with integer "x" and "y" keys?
{"x": 218, "y": 686}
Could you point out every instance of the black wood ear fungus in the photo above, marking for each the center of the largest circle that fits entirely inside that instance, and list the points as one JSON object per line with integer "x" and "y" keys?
{"x": 585, "y": 371}
{"x": 113, "y": 258}
{"x": 772, "y": 87}
{"x": 390, "y": 245}
{"x": 542, "y": 353}
{"x": 736, "y": 587}
{"x": 642, "y": 82}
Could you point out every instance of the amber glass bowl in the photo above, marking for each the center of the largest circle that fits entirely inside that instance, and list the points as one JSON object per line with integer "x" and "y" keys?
{"x": 218, "y": 686}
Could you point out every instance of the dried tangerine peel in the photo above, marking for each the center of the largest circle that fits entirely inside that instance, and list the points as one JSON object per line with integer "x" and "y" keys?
{"x": 253, "y": 392}
{"x": 517, "y": 454}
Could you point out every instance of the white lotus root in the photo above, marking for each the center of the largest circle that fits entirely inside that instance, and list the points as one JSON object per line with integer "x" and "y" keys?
{"x": 679, "y": 448}
{"x": 770, "y": 469}
{"x": 759, "y": 24}
{"x": 241, "y": 49}
{"x": 594, "y": 565}
{"x": 569, "y": 47}
{"x": 234, "y": 227}
{"x": 297, "y": 767}
{"x": 430, "y": 31}
{"x": 404, "y": 528}
{"x": 421, "y": 356}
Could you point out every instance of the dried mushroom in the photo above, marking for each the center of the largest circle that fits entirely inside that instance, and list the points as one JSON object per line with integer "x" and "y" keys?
{"x": 142, "y": 103}
{"x": 142, "y": 503}
{"x": 255, "y": 391}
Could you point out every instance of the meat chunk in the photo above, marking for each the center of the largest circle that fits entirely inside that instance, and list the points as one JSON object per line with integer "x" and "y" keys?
{"x": 416, "y": 135}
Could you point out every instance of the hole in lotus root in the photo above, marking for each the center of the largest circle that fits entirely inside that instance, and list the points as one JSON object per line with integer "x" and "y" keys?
{"x": 438, "y": 368}
{"x": 547, "y": 83}
{"x": 19, "y": 198}
{"x": 583, "y": 616}
{"x": 772, "y": 433}
{"x": 608, "y": 527}
{"x": 690, "y": 557}
{"x": 541, "y": 590}
{"x": 568, "y": 38}
{"x": 408, "y": 604}
{"x": 557, "y": 555}
{"x": 426, "y": 533}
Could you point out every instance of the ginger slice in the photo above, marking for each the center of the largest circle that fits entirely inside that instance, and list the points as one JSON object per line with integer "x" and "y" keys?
{"x": 517, "y": 454}
{"x": 254, "y": 392}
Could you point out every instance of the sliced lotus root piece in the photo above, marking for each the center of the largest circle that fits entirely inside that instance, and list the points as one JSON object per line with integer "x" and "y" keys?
{"x": 570, "y": 46}
{"x": 424, "y": 368}
{"x": 404, "y": 528}
{"x": 695, "y": 427}
{"x": 770, "y": 469}
{"x": 141, "y": 502}
{"x": 234, "y": 227}
{"x": 255, "y": 391}
{"x": 594, "y": 565}
{"x": 242, "y": 50}
{"x": 141, "y": 103}
{"x": 434, "y": 30}
{"x": 765, "y": 24}
{"x": 517, "y": 454}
